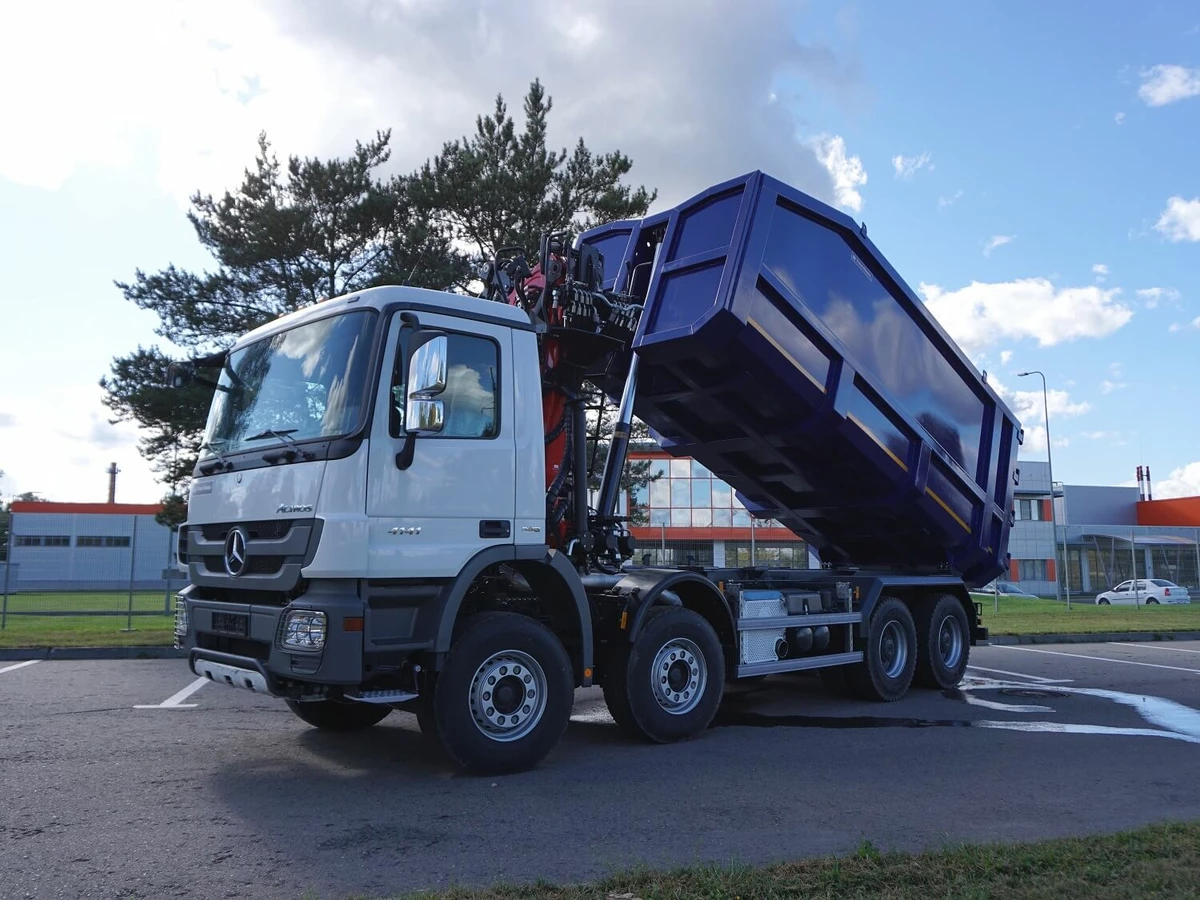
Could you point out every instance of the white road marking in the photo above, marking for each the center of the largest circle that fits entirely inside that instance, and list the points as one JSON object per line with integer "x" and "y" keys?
{"x": 1006, "y": 707}
{"x": 1122, "y": 662}
{"x": 1179, "y": 721}
{"x": 175, "y": 701}
{"x": 1152, "y": 647}
{"x": 1039, "y": 679}
{"x": 20, "y": 665}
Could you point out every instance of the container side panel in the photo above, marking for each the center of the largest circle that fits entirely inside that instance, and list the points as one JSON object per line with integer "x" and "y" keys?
{"x": 837, "y": 287}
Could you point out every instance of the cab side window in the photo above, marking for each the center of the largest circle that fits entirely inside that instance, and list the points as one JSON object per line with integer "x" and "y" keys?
{"x": 472, "y": 396}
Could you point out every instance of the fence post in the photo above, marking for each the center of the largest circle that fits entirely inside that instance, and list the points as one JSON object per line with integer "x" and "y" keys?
{"x": 1137, "y": 599}
{"x": 167, "y": 569}
{"x": 132, "y": 570}
{"x": 7, "y": 569}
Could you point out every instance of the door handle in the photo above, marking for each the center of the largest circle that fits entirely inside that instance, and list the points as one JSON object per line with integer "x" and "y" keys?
{"x": 495, "y": 528}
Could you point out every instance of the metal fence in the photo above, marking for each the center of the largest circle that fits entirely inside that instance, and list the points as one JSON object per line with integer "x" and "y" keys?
{"x": 61, "y": 566}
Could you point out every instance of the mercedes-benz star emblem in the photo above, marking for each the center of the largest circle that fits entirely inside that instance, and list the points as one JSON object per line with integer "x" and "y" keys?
{"x": 235, "y": 552}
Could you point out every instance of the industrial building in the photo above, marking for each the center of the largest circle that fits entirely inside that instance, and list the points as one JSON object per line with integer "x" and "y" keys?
{"x": 87, "y": 547}
{"x": 1104, "y": 536}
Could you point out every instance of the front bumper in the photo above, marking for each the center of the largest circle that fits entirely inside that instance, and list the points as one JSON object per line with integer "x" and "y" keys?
{"x": 256, "y": 654}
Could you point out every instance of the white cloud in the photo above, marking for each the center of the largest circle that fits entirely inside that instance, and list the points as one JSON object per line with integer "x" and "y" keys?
{"x": 997, "y": 240}
{"x": 1168, "y": 84}
{"x": 1107, "y": 387}
{"x": 1119, "y": 118}
{"x": 946, "y": 202}
{"x": 1180, "y": 221}
{"x": 180, "y": 91}
{"x": 1030, "y": 407}
{"x": 1154, "y": 295}
{"x": 981, "y": 315}
{"x": 1174, "y": 327}
{"x": 1182, "y": 482}
{"x": 908, "y": 166}
{"x": 1100, "y": 270}
{"x": 1196, "y": 322}
{"x": 1005, "y": 356}
{"x": 847, "y": 172}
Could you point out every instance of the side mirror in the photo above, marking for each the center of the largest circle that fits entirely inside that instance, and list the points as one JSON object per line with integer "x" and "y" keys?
{"x": 423, "y": 412}
{"x": 426, "y": 379}
{"x": 179, "y": 375}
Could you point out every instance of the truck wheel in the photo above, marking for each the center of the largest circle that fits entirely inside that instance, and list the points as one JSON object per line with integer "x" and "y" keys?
{"x": 890, "y": 655}
{"x": 667, "y": 686}
{"x": 339, "y": 715}
{"x": 504, "y": 697}
{"x": 942, "y": 643}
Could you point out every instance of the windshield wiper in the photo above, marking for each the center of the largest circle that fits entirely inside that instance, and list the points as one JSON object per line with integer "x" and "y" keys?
{"x": 222, "y": 462}
{"x": 283, "y": 434}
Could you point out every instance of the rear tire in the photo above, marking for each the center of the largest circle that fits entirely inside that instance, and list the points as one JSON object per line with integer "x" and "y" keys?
{"x": 943, "y": 645}
{"x": 890, "y": 655}
{"x": 668, "y": 684}
{"x": 339, "y": 715}
{"x": 504, "y": 697}
{"x": 1150, "y": 601}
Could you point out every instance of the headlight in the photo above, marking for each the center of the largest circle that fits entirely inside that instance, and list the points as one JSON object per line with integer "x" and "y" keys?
{"x": 181, "y": 616}
{"x": 304, "y": 629}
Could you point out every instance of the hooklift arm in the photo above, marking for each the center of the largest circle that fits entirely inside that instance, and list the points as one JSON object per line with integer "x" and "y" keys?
{"x": 580, "y": 328}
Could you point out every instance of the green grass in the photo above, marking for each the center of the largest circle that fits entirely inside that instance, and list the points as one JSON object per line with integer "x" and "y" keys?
{"x": 86, "y": 631}
{"x": 1019, "y": 615}
{"x": 150, "y": 627}
{"x": 1158, "y": 861}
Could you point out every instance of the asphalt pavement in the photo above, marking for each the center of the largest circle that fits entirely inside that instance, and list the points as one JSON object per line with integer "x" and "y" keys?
{"x": 130, "y": 778}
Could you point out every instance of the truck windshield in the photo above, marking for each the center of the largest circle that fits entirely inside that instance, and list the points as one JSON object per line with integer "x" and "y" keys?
{"x": 306, "y": 383}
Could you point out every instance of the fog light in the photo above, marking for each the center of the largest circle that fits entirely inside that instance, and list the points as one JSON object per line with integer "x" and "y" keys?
{"x": 181, "y": 616}
{"x": 304, "y": 629}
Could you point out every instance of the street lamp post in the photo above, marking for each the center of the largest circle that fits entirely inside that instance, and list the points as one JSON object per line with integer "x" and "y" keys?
{"x": 1050, "y": 466}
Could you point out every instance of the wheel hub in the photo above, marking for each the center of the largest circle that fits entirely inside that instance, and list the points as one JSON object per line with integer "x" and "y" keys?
{"x": 508, "y": 695}
{"x": 893, "y": 649}
{"x": 678, "y": 676}
{"x": 950, "y": 642}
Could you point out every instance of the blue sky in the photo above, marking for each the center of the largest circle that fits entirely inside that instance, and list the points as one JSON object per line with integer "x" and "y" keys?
{"x": 1016, "y": 164}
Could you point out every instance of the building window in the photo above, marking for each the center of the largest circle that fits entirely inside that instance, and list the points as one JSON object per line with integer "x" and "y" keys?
{"x": 102, "y": 540}
{"x": 686, "y": 495}
{"x": 41, "y": 540}
{"x": 1029, "y": 510}
{"x": 1031, "y": 570}
{"x": 791, "y": 555}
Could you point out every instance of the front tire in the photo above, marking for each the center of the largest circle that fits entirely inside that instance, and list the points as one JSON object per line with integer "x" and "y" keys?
{"x": 504, "y": 697}
{"x": 943, "y": 646}
{"x": 890, "y": 655}
{"x": 668, "y": 684}
{"x": 339, "y": 715}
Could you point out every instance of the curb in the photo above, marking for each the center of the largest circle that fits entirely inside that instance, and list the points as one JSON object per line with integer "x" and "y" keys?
{"x": 1097, "y": 638}
{"x": 92, "y": 653}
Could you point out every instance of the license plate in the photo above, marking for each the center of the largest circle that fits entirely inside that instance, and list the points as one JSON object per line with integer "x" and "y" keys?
{"x": 230, "y": 623}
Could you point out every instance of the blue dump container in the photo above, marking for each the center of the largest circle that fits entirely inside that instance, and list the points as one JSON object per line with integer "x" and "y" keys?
{"x": 783, "y": 352}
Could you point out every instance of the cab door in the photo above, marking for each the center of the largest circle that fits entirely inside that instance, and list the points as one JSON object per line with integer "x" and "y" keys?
{"x": 456, "y": 496}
